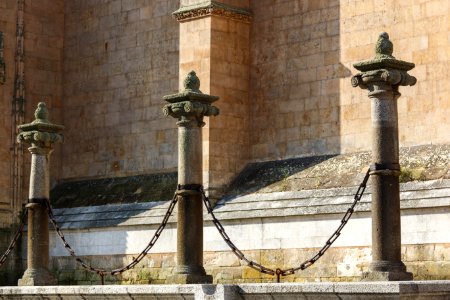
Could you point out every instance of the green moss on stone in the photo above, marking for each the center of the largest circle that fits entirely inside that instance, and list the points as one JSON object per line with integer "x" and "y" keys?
{"x": 412, "y": 174}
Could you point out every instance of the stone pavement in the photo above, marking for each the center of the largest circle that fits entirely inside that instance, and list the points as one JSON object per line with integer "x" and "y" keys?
{"x": 322, "y": 290}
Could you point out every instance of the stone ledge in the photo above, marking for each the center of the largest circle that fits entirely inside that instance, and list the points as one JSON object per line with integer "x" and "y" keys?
{"x": 120, "y": 190}
{"x": 414, "y": 195}
{"x": 327, "y": 290}
{"x": 419, "y": 163}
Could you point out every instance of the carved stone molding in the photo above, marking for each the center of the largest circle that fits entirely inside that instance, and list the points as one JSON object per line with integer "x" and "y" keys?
{"x": 383, "y": 67}
{"x": 187, "y": 111}
{"x": 41, "y": 133}
{"x": 390, "y": 76}
{"x": 212, "y": 8}
{"x": 190, "y": 104}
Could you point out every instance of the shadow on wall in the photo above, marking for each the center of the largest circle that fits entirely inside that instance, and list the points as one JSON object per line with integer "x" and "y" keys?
{"x": 117, "y": 190}
{"x": 295, "y": 78}
{"x": 256, "y": 176}
{"x": 11, "y": 271}
{"x": 295, "y": 83}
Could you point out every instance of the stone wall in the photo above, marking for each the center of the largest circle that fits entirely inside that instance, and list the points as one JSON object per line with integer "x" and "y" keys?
{"x": 278, "y": 229}
{"x": 43, "y": 45}
{"x": 120, "y": 58}
{"x": 302, "y": 55}
{"x": 426, "y": 262}
{"x": 295, "y": 74}
{"x": 283, "y": 79}
{"x": 44, "y": 35}
{"x": 8, "y": 27}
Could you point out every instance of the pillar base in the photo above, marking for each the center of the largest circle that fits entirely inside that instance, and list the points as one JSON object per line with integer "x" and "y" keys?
{"x": 387, "y": 271}
{"x": 37, "y": 277}
{"x": 189, "y": 278}
{"x": 387, "y": 276}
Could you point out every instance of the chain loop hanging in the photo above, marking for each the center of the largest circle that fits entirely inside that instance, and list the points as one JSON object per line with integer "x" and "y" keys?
{"x": 134, "y": 262}
{"x": 250, "y": 263}
{"x": 306, "y": 264}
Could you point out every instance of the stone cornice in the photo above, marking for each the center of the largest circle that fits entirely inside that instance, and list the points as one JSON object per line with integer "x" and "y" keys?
{"x": 212, "y": 8}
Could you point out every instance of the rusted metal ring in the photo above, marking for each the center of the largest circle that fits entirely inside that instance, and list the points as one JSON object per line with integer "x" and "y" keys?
{"x": 36, "y": 201}
{"x": 385, "y": 172}
{"x": 384, "y": 166}
{"x": 189, "y": 189}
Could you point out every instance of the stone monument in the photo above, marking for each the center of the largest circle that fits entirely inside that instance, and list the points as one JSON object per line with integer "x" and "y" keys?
{"x": 42, "y": 135}
{"x": 189, "y": 107}
{"x": 382, "y": 76}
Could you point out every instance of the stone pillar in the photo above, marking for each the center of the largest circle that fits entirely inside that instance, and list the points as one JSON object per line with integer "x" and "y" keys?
{"x": 382, "y": 76}
{"x": 41, "y": 134}
{"x": 189, "y": 107}
{"x": 215, "y": 41}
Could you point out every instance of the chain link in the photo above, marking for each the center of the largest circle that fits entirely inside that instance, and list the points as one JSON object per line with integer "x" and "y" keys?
{"x": 136, "y": 260}
{"x": 251, "y": 263}
{"x": 289, "y": 271}
{"x": 18, "y": 234}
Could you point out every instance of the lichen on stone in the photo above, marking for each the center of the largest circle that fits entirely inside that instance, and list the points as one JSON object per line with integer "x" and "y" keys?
{"x": 418, "y": 163}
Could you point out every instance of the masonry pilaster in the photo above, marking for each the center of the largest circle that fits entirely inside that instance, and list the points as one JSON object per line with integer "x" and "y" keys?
{"x": 214, "y": 39}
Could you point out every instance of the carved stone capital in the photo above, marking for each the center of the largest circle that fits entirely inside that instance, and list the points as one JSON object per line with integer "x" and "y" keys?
{"x": 40, "y": 139}
{"x": 40, "y": 133}
{"x": 389, "y": 76}
{"x": 190, "y": 105}
{"x": 383, "y": 69}
{"x": 212, "y": 8}
{"x": 186, "y": 112}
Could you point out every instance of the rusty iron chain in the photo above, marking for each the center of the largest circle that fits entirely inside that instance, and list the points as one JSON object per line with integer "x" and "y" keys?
{"x": 289, "y": 271}
{"x": 251, "y": 263}
{"x": 18, "y": 234}
{"x": 134, "y": 262}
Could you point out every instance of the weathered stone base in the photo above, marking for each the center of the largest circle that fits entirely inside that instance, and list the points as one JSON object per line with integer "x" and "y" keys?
{"x": 387, "y": 276}
{"x": 189, "y": 278}
{"x": 426, "y": 262}
{"x": 273, "y": 291}
{"x": 37, "y": 277}
{"x": 387, "y": 271}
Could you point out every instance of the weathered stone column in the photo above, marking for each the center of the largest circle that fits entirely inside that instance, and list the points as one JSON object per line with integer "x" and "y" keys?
{"x": 382, "y": 76}
{"x": 41, "y": 134}
{"x": 189, "y": 107}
